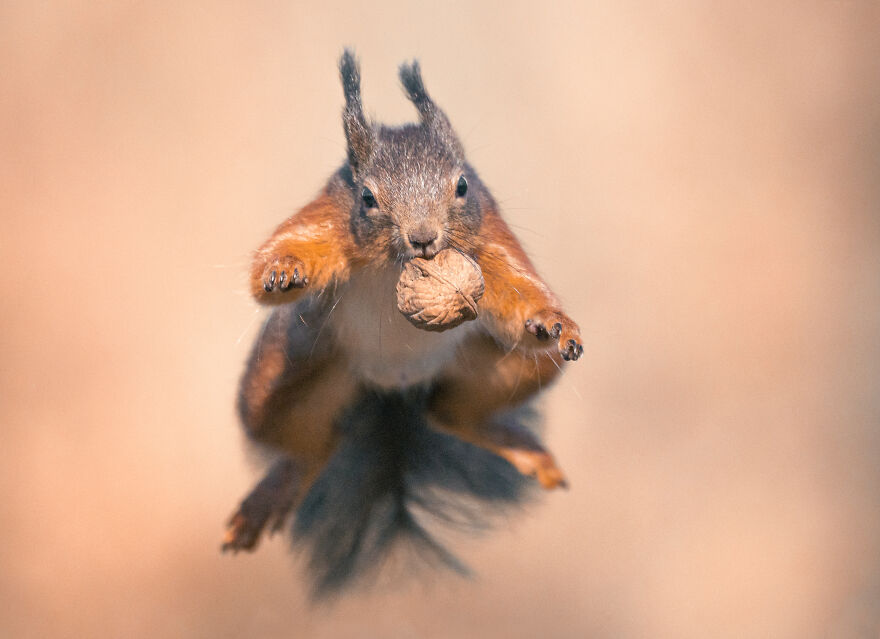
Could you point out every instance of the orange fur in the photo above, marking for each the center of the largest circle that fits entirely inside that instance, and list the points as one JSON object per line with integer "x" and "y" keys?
{"x": 316, "y": 240}
{"x": 292, "y": 391}
{"x": 472, "y": 394}
{"x": 514, "y": 291}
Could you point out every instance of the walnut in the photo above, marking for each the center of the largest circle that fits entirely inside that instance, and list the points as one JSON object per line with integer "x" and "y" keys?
{"x": 440, "y": 293}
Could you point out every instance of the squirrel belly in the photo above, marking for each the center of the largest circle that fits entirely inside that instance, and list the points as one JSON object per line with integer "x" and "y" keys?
{"x": 385, "y": 350}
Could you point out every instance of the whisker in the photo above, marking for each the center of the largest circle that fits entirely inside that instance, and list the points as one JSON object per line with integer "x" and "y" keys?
{"x": 537, "y": 370}
{"x": 461, "y": 242}
{"x": 324, "y": 323}
{"x": 257, "y": 312}
{"x": 518, "y": 378}
{"x": 509, "y": 351}
{"x": 555, "y": 363}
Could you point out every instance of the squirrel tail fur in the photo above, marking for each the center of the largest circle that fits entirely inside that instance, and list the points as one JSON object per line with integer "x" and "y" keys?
{"x": 391, "y": 480}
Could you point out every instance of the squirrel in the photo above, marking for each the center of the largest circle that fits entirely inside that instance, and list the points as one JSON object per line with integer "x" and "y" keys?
{"x": 370, "y": 417}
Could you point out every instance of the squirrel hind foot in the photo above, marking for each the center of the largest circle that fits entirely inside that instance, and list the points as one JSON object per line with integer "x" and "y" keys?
{"x": 538, "y": 464}
{"x": 268, "y": 504}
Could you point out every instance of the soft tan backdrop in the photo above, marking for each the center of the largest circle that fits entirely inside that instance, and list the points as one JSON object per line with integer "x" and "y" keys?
{"x": 699, "y": 182}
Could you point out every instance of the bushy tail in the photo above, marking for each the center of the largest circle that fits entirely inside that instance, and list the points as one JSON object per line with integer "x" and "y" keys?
{"x": 391, "y": 476}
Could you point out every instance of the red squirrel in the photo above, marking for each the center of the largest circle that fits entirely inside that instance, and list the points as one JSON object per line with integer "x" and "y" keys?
{"x": 337, "y": 365}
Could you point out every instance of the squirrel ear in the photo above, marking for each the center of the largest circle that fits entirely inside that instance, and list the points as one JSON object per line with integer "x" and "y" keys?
{"x": 432, "y": 116}
{"x": 411, "y": 77}
{"x": 358, "y": 132}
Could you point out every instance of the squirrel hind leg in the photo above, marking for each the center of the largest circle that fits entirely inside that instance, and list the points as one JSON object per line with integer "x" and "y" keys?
{"x": 302, "y": 428}
{"x": 477, "y": 398}
{"x": 281, "y": 491}
{"x": 511, "y": 441}
{"x": 290, "y": 395}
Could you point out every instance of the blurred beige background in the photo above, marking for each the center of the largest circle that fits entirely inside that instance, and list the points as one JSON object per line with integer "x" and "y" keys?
{"x": 698, "y": 180}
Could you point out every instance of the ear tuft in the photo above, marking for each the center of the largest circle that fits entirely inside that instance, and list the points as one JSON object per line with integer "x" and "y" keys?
{"x": 411, "y": 78}
{"x": 432, "y": 116}
{"x": 358, "y": 132}
{"x": 350, "y": 73}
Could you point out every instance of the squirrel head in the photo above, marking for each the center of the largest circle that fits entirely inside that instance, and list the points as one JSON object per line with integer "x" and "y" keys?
{"x": 414, "y": 193}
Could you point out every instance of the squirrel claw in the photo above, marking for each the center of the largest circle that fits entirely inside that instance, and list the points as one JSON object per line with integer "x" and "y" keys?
{"x": 562, "y": 329}
{"x": 537, "y": 329}
{"x": 284, "y": 273}
{"x": 571, "y": 351}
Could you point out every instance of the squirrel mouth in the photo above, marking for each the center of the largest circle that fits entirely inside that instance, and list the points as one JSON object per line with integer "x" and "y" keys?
{"x": 424, "y": 253}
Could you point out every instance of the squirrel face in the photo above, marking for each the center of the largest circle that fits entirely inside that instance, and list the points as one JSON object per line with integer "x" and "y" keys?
{"x": 414, "y": 192}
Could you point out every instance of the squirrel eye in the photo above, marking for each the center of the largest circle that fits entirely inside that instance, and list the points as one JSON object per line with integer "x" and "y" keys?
{"x": 461, "y": 187}
{"x": 369, "y": 200}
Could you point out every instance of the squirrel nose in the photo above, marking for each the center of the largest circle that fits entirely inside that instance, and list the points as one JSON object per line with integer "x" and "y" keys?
{"x": 421, "y": 240}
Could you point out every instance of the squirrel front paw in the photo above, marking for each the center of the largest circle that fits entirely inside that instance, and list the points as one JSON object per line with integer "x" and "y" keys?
{"x": 550, "y": 324}
{"x": 284, "y": 273}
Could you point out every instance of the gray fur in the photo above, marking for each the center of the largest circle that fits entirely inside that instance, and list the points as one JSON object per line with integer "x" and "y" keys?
{"x": 411, "y": 170}
{"x": 358, "y": 132}
{"x": 431, "y": 114}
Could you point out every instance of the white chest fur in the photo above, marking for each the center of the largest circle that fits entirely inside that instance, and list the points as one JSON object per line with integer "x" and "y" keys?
{"x": 383, "y": 347}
